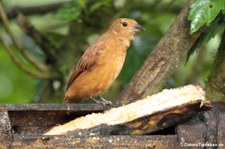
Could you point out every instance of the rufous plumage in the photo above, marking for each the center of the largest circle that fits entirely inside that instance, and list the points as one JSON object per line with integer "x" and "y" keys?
{"x": 102, "y": 61}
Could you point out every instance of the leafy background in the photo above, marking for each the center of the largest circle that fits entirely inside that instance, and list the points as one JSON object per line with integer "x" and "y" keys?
{"x": 155, "y": 16}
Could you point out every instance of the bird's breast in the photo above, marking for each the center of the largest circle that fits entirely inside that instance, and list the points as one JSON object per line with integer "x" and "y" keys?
{"x": 110, "y": 67}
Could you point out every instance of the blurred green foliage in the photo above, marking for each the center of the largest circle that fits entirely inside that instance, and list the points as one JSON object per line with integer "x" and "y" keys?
{"x": 15, "y": 85}
{"x": 71, "y": 10}
{"x": 155, "y": 16}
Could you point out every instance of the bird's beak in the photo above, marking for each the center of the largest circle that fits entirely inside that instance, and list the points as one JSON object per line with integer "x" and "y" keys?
{"x": 138, "y": 27}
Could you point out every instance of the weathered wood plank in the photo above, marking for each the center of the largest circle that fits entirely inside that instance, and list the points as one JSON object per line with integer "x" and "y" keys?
{"x": 100, "y": 142}
{"x": 5, "y": 125}
{"x": 206, "y": 128}
{"x": 57, "y": 107}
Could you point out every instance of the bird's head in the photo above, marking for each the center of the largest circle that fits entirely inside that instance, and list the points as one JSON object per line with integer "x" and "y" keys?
{"x": 125, "y": 28}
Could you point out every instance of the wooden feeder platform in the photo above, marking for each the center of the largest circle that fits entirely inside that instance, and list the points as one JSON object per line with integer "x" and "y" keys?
{"x": 22, "y": 126}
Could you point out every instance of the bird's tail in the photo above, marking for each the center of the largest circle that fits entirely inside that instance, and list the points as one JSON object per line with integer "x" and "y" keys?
{"x": 69, "y": 99}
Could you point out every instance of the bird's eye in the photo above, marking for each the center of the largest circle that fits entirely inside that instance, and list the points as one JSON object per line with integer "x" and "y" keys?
{"x": 124, "y": 24}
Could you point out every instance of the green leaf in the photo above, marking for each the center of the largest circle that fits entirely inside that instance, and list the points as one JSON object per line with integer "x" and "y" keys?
{"x": 82, "y": 3}
{"x": 69, "y": 12}
{"x": 203, "y": 12}
{"x": 217, "y": 26}
{"x": 223, "y": 11}
{"x": 99, "y": 4}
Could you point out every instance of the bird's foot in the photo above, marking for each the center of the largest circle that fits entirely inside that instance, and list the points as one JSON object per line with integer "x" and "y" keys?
{"x": 103, "y": 100}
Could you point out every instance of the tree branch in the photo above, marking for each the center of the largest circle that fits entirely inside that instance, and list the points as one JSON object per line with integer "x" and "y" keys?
{"x": 35, "y": 62}
{"x": 163, "y": 61}
{"x": 34, "y": 10}
{"x": 22, "y": 66}
{"x": 43, "y": 9}
{"x": 46, "y": 46}
{"x": 215, "y": 86}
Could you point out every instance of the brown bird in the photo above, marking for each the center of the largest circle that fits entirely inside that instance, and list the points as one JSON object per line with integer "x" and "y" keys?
{"x": 102, "y": 61}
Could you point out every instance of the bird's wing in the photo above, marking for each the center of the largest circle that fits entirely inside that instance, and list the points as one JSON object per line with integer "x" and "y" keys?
{"x": 87, "y": 62}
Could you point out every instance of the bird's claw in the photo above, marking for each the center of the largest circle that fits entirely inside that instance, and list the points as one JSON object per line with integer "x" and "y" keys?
{"x": 103, "y": 101}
